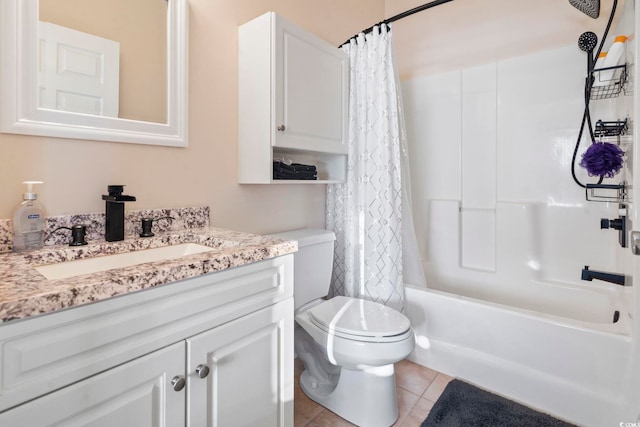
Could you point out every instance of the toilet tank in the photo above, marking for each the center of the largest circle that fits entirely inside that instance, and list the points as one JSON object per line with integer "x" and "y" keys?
{"x": 312, "y": 264}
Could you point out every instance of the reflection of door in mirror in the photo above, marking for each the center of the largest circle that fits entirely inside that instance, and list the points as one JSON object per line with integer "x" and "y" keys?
{"x": 140, "y": 28}
{"x": 77, "y": 72}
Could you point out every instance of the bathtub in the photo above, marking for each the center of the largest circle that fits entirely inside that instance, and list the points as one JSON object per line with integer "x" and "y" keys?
{"x": 571, "y": 363}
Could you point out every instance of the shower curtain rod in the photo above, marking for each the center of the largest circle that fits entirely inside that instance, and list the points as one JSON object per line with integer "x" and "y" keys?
{"x": 402, "y": 15}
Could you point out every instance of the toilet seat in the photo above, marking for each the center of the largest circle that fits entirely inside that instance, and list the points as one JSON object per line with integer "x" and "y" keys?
{"x": 360, "y": 320}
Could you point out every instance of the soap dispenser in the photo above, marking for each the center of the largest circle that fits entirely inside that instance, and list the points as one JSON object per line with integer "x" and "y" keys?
{"x": 29, "y": 221}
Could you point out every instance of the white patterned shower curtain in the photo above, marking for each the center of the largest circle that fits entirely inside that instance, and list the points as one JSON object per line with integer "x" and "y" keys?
{"x": 371, "y": 212}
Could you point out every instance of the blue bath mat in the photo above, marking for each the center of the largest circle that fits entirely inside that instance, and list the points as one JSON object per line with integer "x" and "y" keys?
{"x": 462, "y": 404}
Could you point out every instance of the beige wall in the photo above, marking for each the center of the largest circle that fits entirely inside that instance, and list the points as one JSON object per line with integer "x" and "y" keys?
{"x": 140, "y": 28}
{"x": 464, "y": 33}
{"x": 76, "y": 173}
{"x": 456, "y": 34}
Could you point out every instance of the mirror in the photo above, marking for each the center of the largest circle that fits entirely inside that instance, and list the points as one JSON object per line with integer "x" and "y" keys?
{"x": 104, "y": 57}
{"x": 150, "y": 107}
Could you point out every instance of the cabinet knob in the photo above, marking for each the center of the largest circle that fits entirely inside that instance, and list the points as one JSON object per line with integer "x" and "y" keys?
{"x": 202, "y": 371}
{"x": 178, "y": 383}
{"x": 282, "y": 128}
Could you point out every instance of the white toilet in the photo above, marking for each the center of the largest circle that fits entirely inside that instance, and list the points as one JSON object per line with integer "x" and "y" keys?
{"x": 348, "y": 345}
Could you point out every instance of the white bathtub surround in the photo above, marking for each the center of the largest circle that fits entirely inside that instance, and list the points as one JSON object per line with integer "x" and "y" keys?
{"x": 504, "y": 233}
{"x": 365, "y": 212}
{"x": 478, "y": 215}
{"x": 412, "y": 268}
{"x": 537, "y": 248}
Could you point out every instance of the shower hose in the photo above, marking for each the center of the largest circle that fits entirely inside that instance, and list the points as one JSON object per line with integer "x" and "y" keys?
{"x": 586, "y": 116}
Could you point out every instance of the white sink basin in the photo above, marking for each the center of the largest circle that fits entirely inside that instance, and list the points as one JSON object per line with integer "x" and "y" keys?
{"x": 66, "y": 269}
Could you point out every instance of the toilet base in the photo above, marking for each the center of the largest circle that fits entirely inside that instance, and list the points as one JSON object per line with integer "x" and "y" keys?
{"x": 365, "y": 397}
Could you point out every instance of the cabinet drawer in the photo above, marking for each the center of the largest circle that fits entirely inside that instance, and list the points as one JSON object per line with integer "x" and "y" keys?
{"x": 42, "y": 354}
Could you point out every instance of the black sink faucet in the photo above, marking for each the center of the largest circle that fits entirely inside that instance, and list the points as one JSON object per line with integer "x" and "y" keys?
{"x": 589, "y": 275}
{"x": 114, "y": 223}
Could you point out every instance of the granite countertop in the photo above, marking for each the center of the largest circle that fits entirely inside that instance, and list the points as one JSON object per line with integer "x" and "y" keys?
{"x": 24, "y": 292}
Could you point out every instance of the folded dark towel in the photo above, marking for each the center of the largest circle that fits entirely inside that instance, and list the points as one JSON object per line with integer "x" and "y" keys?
{"x": 294, "y": 171}
{"x": 294, "y": 175}
{"x": 294, "y": 166}
{"x": 297, "y": 178}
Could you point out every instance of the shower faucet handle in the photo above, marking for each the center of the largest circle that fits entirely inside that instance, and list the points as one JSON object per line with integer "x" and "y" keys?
{"x": 635, "y": 242}
{"x": 619, "y": 224}
{"x": 616, "y": 224}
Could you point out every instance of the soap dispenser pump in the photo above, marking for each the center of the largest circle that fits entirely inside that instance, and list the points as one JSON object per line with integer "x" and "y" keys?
{"x": 29, "y": 221}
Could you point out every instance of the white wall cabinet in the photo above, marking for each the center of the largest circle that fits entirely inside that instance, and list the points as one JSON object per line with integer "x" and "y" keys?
{"x": 192, "y": 353}
{"x": 293, "y": 101}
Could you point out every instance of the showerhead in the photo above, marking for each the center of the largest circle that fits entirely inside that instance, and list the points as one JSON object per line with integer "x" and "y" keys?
{"x": 587, "y": 41}
{"x": 588, "y": 7}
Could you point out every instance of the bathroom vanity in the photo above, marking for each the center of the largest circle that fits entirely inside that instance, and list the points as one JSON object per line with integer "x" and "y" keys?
{"x": 203, "y": 339}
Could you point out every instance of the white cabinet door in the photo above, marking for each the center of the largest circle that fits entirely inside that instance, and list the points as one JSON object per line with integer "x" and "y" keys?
{"x": 250, "y": 363}
{"x": 136, "y": 394}
{"x": 311, "y": 91}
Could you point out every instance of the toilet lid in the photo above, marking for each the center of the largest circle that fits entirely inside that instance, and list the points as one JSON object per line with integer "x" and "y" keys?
{"x": 359, "y": 319}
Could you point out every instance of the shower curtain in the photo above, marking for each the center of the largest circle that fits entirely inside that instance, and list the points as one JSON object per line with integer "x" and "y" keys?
{"x": 376, "y": 250}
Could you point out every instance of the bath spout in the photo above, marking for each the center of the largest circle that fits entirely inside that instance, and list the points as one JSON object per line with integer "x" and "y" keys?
{"x": 589, "y": 275}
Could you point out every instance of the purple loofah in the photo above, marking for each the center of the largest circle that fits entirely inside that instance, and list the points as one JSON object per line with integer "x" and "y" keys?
{"x": 602, "y": 159}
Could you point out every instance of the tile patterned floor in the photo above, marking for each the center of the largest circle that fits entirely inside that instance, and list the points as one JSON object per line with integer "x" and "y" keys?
{"x": 417, "y": 389}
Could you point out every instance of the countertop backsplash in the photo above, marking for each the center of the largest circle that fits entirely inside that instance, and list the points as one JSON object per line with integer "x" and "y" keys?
{"x": 183, "y": 219}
